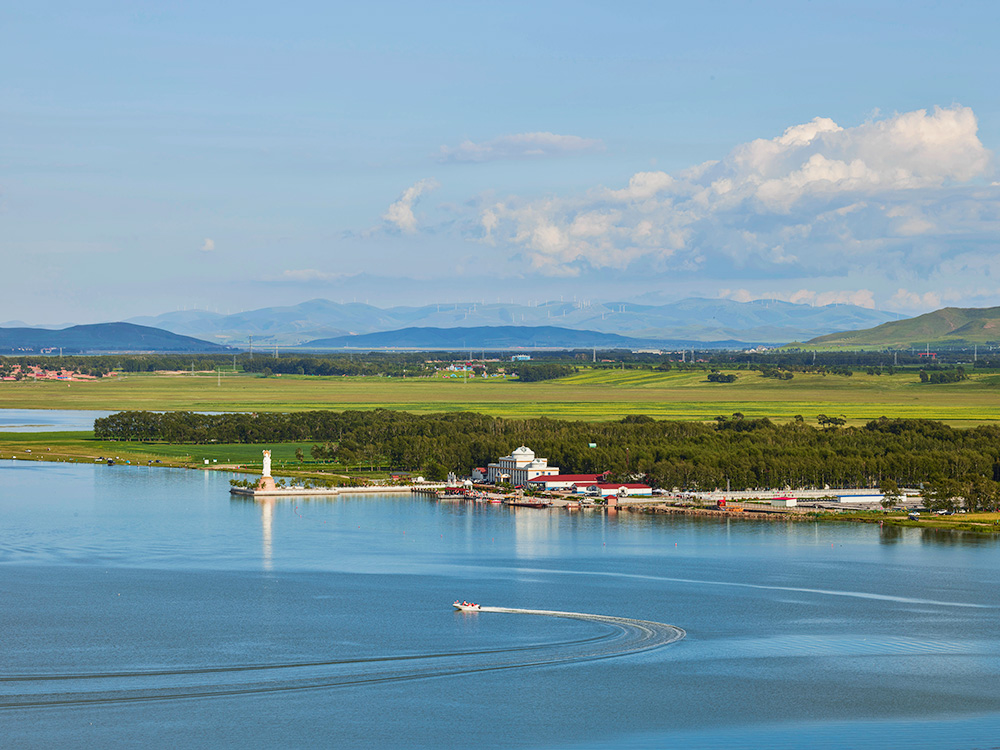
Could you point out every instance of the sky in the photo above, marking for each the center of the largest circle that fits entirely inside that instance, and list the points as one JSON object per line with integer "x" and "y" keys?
{"x": 159, "y": 156}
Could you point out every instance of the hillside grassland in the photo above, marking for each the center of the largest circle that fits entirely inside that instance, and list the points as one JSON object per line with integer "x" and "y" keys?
{"x": 591, "y": 394}
{"x": 949, "y": 326}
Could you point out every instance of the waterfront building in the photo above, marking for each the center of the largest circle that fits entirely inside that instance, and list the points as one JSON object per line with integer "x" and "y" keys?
{"x": 610, "y": 489}
{"x": 564, "y": 481}
{"x": 520, "y": 467}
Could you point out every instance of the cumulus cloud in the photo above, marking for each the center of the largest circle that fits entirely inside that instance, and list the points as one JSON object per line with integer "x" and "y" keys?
{"x": 208, "y": 245}
{"x": 817, "y": 199}
{"x": 904, "y": 299}
{"x": 859, "y": 297}
{"x": 399, "y": 215}
{"x": 519, "y": 146}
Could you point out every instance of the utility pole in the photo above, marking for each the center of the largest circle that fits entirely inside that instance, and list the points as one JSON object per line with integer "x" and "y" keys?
{"x": 251, "y": 348}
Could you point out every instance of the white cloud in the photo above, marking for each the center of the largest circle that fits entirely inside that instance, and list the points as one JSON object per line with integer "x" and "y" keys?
{"x": 859, "y": 297}
{"x": 520, "y": 146}
{"x": 400, "y": 214}
{"x": 817, "y": 199}
{"x": 208, "y": 245}
{"x": 904, "y": 299}
{"x": 643, "y": 185}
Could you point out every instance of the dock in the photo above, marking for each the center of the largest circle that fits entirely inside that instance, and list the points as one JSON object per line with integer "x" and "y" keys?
{"x": 299, "y": 491}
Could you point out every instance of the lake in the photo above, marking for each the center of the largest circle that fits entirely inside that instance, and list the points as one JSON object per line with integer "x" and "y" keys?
{"x": 145, "y": 607}
{"x": 48, "y": 420}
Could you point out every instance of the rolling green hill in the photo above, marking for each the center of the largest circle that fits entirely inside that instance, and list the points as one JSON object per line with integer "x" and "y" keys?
{"x": 952, "y": 326}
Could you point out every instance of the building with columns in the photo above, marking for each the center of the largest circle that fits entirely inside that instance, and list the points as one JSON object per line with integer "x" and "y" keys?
{"x": 520, "y": 467}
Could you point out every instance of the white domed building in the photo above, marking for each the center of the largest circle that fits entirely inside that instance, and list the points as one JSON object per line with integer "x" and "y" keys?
{"x": 520, "y": 467}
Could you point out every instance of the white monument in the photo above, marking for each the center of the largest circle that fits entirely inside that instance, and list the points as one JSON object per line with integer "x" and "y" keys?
{"x": 266, "y": 481}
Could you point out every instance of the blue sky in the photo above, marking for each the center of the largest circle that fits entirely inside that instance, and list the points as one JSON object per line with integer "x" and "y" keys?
{"x": 160, "y": 156}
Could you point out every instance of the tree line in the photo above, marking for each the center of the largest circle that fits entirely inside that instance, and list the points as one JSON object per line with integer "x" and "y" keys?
{"x": 734, "y": 451}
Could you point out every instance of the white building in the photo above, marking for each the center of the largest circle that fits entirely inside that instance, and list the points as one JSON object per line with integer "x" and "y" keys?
{"x": 564, "y": 481}
{"x": 520, "y": 467}
{"x": 608, "y": 489}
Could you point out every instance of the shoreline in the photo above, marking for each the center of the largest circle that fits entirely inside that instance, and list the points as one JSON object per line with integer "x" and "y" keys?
{"x": 818, "y": 515}
{"x": 748, "y": 512}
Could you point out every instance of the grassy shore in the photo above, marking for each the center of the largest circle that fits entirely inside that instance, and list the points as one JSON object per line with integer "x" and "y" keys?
{"x": 980, "y": 523}
{"x": 589, "y": 395}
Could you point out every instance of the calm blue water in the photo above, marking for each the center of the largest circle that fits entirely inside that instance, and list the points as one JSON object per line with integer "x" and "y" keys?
{"x": 144, "y": 607}
{"x": 48, "y": 420}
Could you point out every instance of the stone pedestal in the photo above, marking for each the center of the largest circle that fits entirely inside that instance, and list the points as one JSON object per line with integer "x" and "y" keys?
{"x": 265, "y": 483}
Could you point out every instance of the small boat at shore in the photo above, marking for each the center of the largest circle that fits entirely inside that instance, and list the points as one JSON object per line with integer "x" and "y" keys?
{"x": 466, "y": 606}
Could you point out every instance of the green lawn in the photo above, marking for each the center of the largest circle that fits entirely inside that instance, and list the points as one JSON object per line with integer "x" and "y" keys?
{"x": 589, "y": 395}
{"x": 79, "y": 447}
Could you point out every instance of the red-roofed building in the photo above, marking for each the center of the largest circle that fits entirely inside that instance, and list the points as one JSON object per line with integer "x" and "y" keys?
{"x": 607, "y": 489}
{"x": 564, "y": 481}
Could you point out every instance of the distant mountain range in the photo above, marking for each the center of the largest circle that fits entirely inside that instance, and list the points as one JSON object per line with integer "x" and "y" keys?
{"x": 689, "y": 320}
{"x": 692, "y": 323}
{"x": 952, "y": 326}
{"x": 498, "y": 337}
{"x": 100, "y": 337}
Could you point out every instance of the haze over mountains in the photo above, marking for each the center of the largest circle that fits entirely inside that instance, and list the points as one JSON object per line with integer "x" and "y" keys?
{"x": 690, "y": 320}
{"x": 501, "y": 337}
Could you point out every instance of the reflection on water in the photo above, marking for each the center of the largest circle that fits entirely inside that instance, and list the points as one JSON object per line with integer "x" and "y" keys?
{"x": 266, "y": 519}
{"x": 962, "y": 538}
{"x": 132, "y": 590}
{"x": 535, "y": 529}
{"x": 890, "y": 534}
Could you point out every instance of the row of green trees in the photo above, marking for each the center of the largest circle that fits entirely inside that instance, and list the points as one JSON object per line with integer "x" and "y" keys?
{"x": 943, "y": 376}
{"x": 542, "y": 371}
{"x": 733, "y": 452}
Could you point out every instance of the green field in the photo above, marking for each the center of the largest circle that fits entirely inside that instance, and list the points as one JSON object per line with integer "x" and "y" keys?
{"x": 589, "y": 395}
{"x": 78, "y": 447}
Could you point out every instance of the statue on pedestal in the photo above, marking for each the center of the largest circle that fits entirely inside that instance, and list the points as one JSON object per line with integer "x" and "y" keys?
{"x": 266, "y": 481}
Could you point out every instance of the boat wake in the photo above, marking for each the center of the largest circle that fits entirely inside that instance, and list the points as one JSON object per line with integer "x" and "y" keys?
{"x": 634, "y": 635}
{"x": 622, "y": 636}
